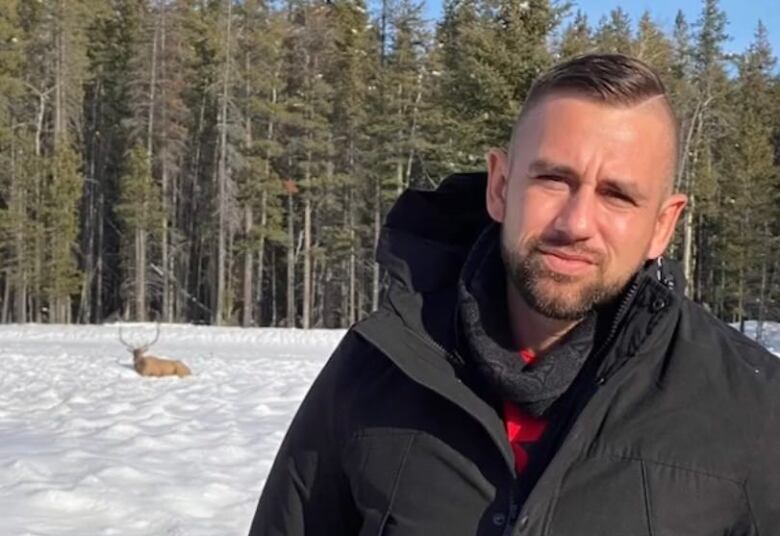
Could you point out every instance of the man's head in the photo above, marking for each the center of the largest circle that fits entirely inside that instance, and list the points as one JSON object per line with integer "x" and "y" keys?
{"x": 584, "y": 194}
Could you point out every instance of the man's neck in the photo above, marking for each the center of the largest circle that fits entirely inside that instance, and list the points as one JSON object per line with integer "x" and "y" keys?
{"x": 530, "y": 329}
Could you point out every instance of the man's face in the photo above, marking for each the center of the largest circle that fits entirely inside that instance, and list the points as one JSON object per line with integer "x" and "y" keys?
{"x": 583, "y": 200}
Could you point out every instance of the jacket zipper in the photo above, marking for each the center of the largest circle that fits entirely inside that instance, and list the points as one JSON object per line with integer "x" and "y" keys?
{"x": 622, "y": 309}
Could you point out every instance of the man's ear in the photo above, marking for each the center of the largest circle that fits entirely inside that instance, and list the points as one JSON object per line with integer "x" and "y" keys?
{"x": 665, "y": 224}
{"x": 495, "y": 196}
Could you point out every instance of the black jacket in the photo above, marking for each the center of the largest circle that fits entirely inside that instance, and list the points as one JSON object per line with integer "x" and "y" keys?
{"x": 676, "y": 432}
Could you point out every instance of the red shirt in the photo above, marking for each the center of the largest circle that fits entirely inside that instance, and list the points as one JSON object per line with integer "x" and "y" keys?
{"x": 521, "y": 428}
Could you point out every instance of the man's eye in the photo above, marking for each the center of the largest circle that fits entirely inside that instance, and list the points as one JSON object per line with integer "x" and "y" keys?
{"x": 550, "y": 178}
{"x": 620, "y": 197}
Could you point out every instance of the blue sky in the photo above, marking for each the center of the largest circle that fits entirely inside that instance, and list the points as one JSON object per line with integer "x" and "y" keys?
{"x": 743, "y": 15}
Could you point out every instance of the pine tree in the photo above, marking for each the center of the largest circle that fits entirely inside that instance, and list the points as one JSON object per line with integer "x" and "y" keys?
{"x": 491, "y": 54}
{"x": 710, "y": 90}
{"x": 139, "y": 212}
{"x": 204, "y": 25}
{"x": 653, "y": 47}
{"x": 16, "y": 172}
{"x": 144, "y": 88}
{"x": 347, "y": 196}
{"x": 170, "y": 139}
{"x": 65, "y": 33}
{"x": 751, "y": 184}
{"x": 613, "y": 33}
{"x": 109, "y": 115}
{"x": 307, "y": 139}
{"x": 399, "y": 103}
{"x": 577, "y": 38}
{"x": 683, "y": 99}
{"x": 259, "y": 70}
{"x": 62, "y": 276}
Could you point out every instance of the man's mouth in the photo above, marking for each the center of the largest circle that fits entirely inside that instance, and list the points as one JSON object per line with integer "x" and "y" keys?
{"x": 566, "y": 262}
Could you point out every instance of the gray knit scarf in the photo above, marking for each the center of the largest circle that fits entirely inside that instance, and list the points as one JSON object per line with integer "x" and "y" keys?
{"x": 484, "y": 321}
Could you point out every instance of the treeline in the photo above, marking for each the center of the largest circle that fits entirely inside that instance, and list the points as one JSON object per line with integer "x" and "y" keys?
{"x": 231, "y": 161}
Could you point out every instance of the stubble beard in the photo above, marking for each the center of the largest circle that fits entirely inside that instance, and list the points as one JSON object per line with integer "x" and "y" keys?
{"x": 555, "y": 295}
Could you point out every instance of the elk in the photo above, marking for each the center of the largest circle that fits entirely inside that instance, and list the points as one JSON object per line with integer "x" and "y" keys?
{"x": 149, "y": 365}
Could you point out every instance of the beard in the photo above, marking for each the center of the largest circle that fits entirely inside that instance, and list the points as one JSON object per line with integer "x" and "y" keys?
{"x": 556, "y": 295}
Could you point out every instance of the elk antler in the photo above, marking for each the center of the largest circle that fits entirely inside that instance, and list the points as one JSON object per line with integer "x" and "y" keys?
{"x": 146, "y": 346}
{"x": 123, "y": 341}
{"x": 143, "y": 347}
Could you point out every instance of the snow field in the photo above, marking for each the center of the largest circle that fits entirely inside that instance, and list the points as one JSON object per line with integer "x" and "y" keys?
{"x": 88, "y": 447}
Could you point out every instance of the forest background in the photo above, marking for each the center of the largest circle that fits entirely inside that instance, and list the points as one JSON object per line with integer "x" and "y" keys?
{"x": 231, "y": 161}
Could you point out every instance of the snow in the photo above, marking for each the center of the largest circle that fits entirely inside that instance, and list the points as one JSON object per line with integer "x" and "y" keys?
{"x": 88, "y": 447}
{"x": 770, "y": 337}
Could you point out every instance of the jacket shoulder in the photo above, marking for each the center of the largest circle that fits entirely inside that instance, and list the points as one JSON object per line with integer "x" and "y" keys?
{"x": 721, "y": 345}
{"x": 354, "y": 360}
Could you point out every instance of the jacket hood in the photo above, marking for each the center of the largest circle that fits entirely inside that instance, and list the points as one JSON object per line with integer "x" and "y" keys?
{"x": 429, "y": 233}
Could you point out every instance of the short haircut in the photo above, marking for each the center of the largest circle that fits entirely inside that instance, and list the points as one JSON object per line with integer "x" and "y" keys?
{"x": 613, "y": 79}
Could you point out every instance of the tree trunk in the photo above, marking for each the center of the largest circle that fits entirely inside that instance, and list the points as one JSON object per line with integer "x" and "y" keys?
{"x": 39, "y": 247}
{"x": 6, "y": 296}
{"x": 761, "y": 304}
{"x": 59, "y": 134}
{"x": 698, "y": 277}
{"x": 85, "y": 303}
{"x": 688, "y": 246}
{"x": 413, "y": 131}
{"x": 246, "y": 320}
{"x": 222, "y": 176}
{"x": 352, "y": 260}
{"x": 306, "y": 292}
{"x": 141, "y": 232}
{"x": 86, "y": 311}
{"x": 290, "y": 263}
{"x": 377, "y": 229}
{"x": 264, "y": 207}
{"x": 261, "y": 256}
{"x": 248, "y": 294}
{"x": 18, "y": 207}
{"x": 140, "y": 274}
{"x": 306, "y": 260}
{"x": 100, "y": 258}
{"x": 274, "y": 318}
{"x": 166, "y": 261}
{"x": 229, "y": 278}
{"x": 741, "y": 297}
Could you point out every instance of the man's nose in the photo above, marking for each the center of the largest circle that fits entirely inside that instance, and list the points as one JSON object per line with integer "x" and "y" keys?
{"x": 576, "y": 219}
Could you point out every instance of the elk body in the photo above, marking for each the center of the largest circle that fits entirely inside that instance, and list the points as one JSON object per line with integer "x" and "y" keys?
{"x": 149, "y": 365}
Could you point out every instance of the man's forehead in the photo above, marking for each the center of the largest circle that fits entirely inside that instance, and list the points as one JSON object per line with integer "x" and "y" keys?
{"x": 657, "y": 105}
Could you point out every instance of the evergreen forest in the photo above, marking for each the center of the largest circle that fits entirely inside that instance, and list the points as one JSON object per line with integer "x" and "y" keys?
{"x": 231, "y": 161}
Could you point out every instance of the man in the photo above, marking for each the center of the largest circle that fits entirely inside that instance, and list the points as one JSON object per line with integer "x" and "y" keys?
{"x": 535, "y": 367}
